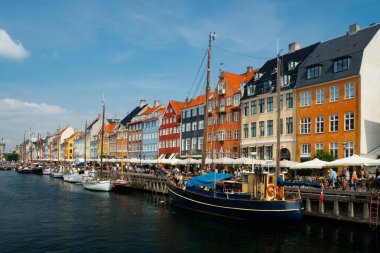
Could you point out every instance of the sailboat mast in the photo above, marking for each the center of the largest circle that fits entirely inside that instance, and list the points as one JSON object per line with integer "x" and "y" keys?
{"x": 85, "y": 145}
{"x": 278, "y": 90}
{"x": 210, "y": 37}
{"x": 102, "y": 138}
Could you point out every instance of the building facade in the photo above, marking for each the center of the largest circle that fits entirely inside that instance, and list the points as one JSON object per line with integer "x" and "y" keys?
{"x": 170, "y": 130}
{"x": 337, "y": 88}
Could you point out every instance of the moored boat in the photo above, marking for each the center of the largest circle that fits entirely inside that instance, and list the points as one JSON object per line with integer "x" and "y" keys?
{"x": 97, "y": 185}
{"x": 24, "y": 169}
{"x": 75, "y": 177}
{"x": 121, "y": 186}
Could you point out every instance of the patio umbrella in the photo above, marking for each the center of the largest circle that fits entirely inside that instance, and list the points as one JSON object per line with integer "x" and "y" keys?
{"x": 283, "y": 163}
{"x": 353, "y": 160}
{"x": 313, "y": 164}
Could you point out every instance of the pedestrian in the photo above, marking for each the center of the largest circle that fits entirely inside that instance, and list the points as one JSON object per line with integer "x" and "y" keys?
{"x": 354, "y": 179}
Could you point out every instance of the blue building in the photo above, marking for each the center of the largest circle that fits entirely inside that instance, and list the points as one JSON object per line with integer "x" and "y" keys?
{"x": 150, "y": 126}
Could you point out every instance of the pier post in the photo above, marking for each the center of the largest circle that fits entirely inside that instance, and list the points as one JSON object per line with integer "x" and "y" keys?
{"x": 336, "y": 208}
{"x": 308, "y": 205}
{"x": 321, "y": 207}
{"x": 351, "y": 209}
{"x": 365, "y": 211}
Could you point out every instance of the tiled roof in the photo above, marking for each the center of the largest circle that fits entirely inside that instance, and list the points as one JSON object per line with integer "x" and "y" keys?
{"x": 235, "y": 80}
{"x": 349, "y": 45}
{"x": 201, "y": 99}
{"x": 109, "y": 128}
{"x": 75, "y": 134}
{"x": 177, "y": 106}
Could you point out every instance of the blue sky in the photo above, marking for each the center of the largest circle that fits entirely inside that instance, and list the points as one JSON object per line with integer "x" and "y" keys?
{"x": 60, "y": 57}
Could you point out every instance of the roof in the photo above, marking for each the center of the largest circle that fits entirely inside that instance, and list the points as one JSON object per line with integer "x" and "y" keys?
{"x": 108, "y": 128}
{"x": 132, "y": 114}
{"x": 177, "y": 106}
{"x": 201, "y": 99}
{"x": 75, "y": 134}
{"x": 268, "y": 75}
{"x": 349, "y": 45}
{"x": 234, "y": 80}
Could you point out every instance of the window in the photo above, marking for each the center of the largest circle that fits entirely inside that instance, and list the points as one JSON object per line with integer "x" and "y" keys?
{"x": 261, "y": 153}
{"x": 221, "y": 153}
{"x": 222, "y": 119}
{"x": 285, "y": 80}
{"x": 200, "y": 124}
{"x": 188, "y": 127}
{"x": 245, "y": 131}
{"x": 215, "y": 119}
{"x": 319, "y": 124}
{"x": 319, "y": 146}
{"x": 250, "y": 89}
{"x": 320, "y": 96}
{"x": 200, "y": 143}
{"x": 183, "y": 128}
{"x": 269, "y": 152}
{"x": 229, "y": 135}
{"x": 201, "y": 110}
{"x": 281, "y": 126}
{"x": 292, "y": 65}
{"x": 222, "y": 88}
{"x": 236, "y": 99}
{"x": 270, "y": 127}
{"x": 215, "y": 153}
{"x": 305, "y": 98}
{"x": 334, "y": 123}
{"x": 253, "y": 107}
{"x": 261, "y": 105}
{"x": 333, "y": 148}
{"x": 349, "y": 149}
{"x": 194, "y": 126}
{"x": 209, "y": 136}
{"x": 236, "y": 116}
{"x": 228, "y": 152}
{"x": 305, "y": 150}
{"x": 334, "y": 93}
{"x": 229, "y": 118}
{"x": 349, "y": 90}
{"x": 289, "y": 100}
{"x": 253, "y": 129}
{"x": 245, "y": 109}
{"x": 305, "y": 125}
{"x": 216, "y": 103}
{"x": 281, "y": 102}
{"x": 236, "y": 134}
{"x": 194, "y": 143}
{"x": 313, "y": 72}
{"x": 194, "y": 112}
{"x": 270, "y": 104}
{"x": 229, "y": 101}
{"x": 188, "y": 140}
{"x": 341, "y": 64}
{"x": 349, "y": 121}
{"x": 261, "y": 128}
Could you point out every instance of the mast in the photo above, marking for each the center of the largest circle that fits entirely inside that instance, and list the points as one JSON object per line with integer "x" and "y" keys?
{"x": 278, "y": 90}
{"x": 211, "y": 37}
{"x": 85, "y": 145}
{"x": 102, "y": 137}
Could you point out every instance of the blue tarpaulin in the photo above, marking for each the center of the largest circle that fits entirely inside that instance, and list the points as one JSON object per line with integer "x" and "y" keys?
{"x": 207, "y": 180}
{"x": 80, "y": 164}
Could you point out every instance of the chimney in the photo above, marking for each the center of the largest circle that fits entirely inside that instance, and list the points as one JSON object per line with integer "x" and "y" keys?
{"x": 353, "y": 29}
{"x": 142, "y": 102}
{"x": 156, "y": 103}
{"x": 249, "y": 69}
{"x": 294, "y": 46}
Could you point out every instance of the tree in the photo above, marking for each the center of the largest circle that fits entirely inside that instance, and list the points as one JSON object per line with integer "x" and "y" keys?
{"x": 11, "y": 156}
{"x": 324, "y": 156}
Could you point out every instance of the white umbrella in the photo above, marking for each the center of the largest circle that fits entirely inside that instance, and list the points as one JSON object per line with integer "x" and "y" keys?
{"x": 313, "y": 164}
{"x": 134, "y": 160}
{"x": 283, "y": 163}
{"x": 248, "y": 161}
{"x": 175, "y": 161}
{"x": 353, "y": 160}
{"x": 190, "y": 161}
{"x": 227, "y": 160}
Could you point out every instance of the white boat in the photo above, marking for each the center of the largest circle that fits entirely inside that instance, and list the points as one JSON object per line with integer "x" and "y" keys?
{"x": 46, "y": 172}
{"x": 75, "y": 177}
{"x": 97, "y": 185}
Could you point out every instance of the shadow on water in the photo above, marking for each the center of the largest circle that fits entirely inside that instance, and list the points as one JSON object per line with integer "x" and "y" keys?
{"x": 42, "y": 214}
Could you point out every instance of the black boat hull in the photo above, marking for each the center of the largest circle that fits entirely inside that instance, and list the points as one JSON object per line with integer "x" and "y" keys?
{"x": 255, "y": 210}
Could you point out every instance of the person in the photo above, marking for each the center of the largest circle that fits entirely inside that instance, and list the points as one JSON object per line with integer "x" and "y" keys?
{"x": 378, "y": 182}
{"x": 354, "y": 179}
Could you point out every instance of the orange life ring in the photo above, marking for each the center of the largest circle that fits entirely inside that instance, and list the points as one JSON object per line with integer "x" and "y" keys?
{"x": 270, "y": 189}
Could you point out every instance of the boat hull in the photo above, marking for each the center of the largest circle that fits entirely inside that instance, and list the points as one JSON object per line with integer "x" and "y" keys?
{"x": 255, "y": 210}
{"x": 102, "y": 185}
{"x": 73, "y": 178}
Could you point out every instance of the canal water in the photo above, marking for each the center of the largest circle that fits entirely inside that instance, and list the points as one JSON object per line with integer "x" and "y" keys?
{"x": 43, "y": 214}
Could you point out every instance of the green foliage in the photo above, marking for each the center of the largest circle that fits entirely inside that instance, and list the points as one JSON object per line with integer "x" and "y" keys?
{"x": 11, "y": 156}
{"x": 324, "y": 156}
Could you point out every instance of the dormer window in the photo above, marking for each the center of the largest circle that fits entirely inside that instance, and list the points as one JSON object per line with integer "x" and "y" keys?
{"x": 292, "y": 65}
{"x": 257, "y": 76}
{"x": 222, "y": 88}
{"x": 266, "y": 85}
{"x": 341, "y": 64}
{"x": 313, "y": 72}
{"x": 250, "y": 89}
{"x": 285, "y": 80}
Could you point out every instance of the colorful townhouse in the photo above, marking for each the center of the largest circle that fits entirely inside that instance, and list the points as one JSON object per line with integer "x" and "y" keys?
{"x": 106, "y": 139}
{"x": 192, "y": 127}
{"x": 170, "y": 130}
{"x": 338, "y": 88}
{"x": 79, "y": 146}
{"x": 68, "y": 146}
{"x": 223, "y": 115}
{"x": 259, "y": 107}
{"x": 151, "y": 122}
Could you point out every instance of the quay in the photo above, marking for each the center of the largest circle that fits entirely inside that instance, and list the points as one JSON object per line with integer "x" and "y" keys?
{"x": 337, "y": 205}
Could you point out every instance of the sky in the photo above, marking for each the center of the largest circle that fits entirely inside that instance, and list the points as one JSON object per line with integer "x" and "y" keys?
{"x": 58, "y": 59}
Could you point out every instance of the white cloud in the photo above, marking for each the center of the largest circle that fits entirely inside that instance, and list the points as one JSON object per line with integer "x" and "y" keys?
{"x": 18, "y": 116}
{"x": 10, "y": 49}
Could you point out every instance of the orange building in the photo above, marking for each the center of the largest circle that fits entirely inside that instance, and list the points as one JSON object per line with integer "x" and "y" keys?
{"x": 223, "y": 121}
{"x": 337, "y": 88}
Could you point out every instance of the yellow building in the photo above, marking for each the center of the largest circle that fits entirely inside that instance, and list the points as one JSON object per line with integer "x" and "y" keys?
{"x": 68, "y": 146}
{"x": 106, "y": 140}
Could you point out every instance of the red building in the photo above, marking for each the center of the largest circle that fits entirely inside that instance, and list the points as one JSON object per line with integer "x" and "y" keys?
{"x": 169, "y": 133}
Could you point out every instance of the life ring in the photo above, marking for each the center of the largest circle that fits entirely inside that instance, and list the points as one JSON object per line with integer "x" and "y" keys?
{"x": 270, "y": 190}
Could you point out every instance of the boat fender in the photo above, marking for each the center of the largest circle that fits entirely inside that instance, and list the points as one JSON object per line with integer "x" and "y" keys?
{"x": 270, "y": 190}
